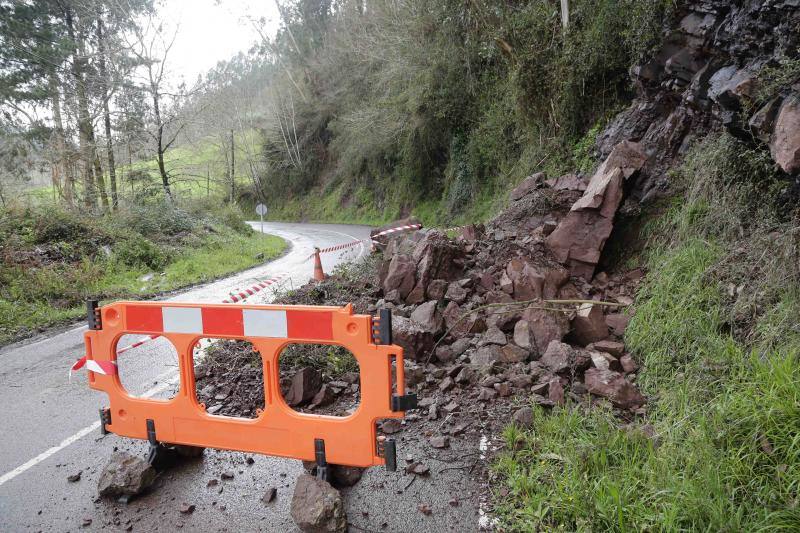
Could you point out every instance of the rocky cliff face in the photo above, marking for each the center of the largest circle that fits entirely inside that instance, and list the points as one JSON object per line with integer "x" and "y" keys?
{"x": 724, "y": 64}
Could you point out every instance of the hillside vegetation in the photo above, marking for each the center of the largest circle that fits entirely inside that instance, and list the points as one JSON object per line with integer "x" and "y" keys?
{"x": 437, "y": 108}
{"x": 52, "y": 260}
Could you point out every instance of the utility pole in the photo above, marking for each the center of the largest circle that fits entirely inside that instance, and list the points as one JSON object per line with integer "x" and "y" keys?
{"x": 564, "y": 13}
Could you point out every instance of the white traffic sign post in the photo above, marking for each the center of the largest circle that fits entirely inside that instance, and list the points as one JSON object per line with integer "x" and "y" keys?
{"x": 261, "y": 209}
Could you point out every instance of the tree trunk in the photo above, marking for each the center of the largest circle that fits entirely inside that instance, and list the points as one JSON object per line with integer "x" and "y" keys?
{"x": 84, "y": 121}
{"x": 233, "y": 169}
{"x": 160, "y": 144}
{"x": 62, "y": 168}
{"x": 112, "y": 171}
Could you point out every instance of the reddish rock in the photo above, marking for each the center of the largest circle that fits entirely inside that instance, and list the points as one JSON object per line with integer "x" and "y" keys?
{"x": 400, "y": 275}
{"x": 613, "y": 347}
{"x": 785, "y": 144}
{"x": 589, "y": 325}
{"x": 472, "y": 323}
{"x": 527, "y": 186}
{"x": 556, "y": 391}
{"x": 567, "y": 182}
{"x": 493, "y": 335}
{"x": 436, "y": 258}
{"x": 614, "y": 386}
{"x": 436, "y": 289}
{"x": 558, "y": 357}
{"x": 427, "y": 316}
{"x": 605, "y": 361}
{"x": 317, "y": 506}
{"x": 416, "y": 341}
{"x": 580, "y": 236}
{"x": 486, "y": 281}
{"x": 486, "y": 355}
{"x": 445, "y": 354}
{"x": 440, "y": 441}
{"x": 324, "y": 397}
{"x": 456, "y": 293}
{"x": 345, "y": 476}
{"x": 471, "y": 232}
{"x": 511, "y": 353}
{"x": 628, "y": 364}
{"x": 523, "y": 417}
{"x": 543, "y": 327}
{"x": 618, "y": 322}
{"x": 527, "y": 281}
{"x": 305, "y": 385}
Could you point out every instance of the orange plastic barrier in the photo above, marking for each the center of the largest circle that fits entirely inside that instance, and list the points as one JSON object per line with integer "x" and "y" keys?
{"x": 278, "y": 429}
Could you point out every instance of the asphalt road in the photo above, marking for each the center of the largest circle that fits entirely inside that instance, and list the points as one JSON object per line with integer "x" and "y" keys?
{"x": 51, "y": 431}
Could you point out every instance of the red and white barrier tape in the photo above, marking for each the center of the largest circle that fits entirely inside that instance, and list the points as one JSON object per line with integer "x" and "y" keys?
{"x": 110, "y": 367}
{"x": 371, "y": 239}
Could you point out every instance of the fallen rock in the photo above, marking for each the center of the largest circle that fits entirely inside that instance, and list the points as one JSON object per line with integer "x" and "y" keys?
{"x": 614, "y": 386}
{"x": 555, "y": 391}
{"x": 456, "y": 293}
{"x": 604, "y": 361}
{"x": 526, "y": 186}
{"x": 125, "y": 475}
{"x": 628, "y": 364}
{"x": 618, "y": 322}
{"x": 317, "y": 507}
{"x": 269, "y": 496}
{"x": 493, "y": 335}
{"x": 440, "y": 442}
{"x": 187, "y": 508}
{"x": 608, "y": 346}
{"x": 459, "y": 325}
{"x": 523, "y": 417}
{"x": 324, "y": 397}
{"x": 427, "y": 316}
{"x": 74, "y": 478}
{"x": 436, "y": 289}
{"x": 415, "y": 340}
{"x": 486, "y": 355}
{"x": 567, "y": 182}
{"x": 543, "y": 327}
{"x": 306, "y": 383}
{"x": 785, "y": 144}
{"x": 581, "y": 235}
{"x": 589, "y": 325}
{"x": 558, "y": 357}
{"x": 511, "y": 353}
{"x": 400, "y": 275}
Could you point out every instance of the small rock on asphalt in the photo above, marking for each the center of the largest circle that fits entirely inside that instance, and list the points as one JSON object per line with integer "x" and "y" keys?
{"x": 125, "y": 474}
{"x": 317, "y": 507}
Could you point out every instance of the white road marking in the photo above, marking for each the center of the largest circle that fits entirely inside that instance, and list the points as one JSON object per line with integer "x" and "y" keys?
{"x": 47, "y": 453}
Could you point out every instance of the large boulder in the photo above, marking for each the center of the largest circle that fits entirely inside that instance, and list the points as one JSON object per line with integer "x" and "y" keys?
{"x": 579, "y": 239}
{"x": 437, "y": 257}
{"x": 317, "y": 507}
{"x": 125, "y": 475}
{"x": 613, "y": 385}
{"x": 785, "y": 145}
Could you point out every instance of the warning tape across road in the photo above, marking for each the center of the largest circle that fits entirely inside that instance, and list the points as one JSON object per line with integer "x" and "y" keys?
{"x": 350, "y": 244}
{"x": 111, "y": 367}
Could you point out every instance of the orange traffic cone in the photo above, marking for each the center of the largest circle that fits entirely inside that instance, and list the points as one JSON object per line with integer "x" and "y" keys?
{"x": 319, "y": 274}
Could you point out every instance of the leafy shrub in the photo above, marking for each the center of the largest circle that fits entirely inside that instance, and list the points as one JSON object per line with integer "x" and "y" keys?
{"x": 232, "y": 217}
{"x": 156, "y": 220}
{"x": 139, "y": 252}
{"x": 55, "y": 224}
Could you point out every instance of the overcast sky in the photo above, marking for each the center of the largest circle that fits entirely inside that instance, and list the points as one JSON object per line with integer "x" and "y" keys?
{"x": 212, "y": 31}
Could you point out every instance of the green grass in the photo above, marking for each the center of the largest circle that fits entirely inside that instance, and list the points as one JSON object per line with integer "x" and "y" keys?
{"x": 210, "y": 257}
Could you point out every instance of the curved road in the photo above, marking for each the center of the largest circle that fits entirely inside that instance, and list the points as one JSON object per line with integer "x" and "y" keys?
{"x": 51, "y": 431}
{"x": 49, "y": 421}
